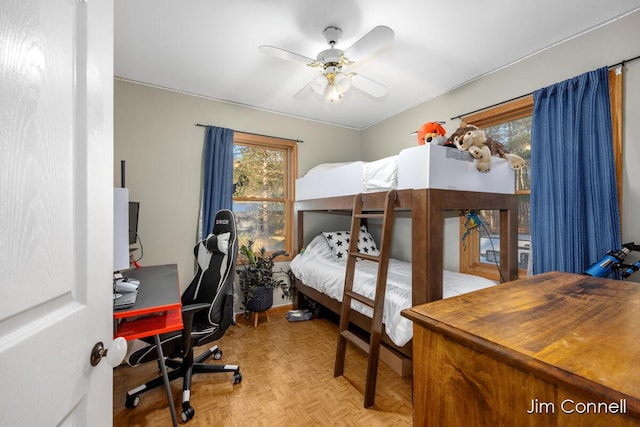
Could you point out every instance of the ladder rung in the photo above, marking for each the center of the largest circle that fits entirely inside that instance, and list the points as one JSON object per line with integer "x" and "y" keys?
{"x": 360, "y": 298}
{"x": 369, "y": 215}
{"x": 361, "y": 255}
{"x": 356, "y": 340}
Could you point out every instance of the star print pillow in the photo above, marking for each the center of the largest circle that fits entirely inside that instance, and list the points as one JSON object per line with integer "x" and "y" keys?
{"x": 338, "y": 241}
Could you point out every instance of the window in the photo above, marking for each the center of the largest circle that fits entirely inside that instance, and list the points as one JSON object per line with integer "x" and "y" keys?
{"x": 510, "y": 123}
{"x": 264, "y": 171}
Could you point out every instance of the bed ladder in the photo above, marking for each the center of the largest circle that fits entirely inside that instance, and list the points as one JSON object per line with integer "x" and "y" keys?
{"x": 372, "y": 348}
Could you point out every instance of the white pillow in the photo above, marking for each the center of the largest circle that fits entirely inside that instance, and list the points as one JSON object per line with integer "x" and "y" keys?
{"x": 218, "y": 243}
{"x": 338, "y": 241}
{"x": 318, "y": 247}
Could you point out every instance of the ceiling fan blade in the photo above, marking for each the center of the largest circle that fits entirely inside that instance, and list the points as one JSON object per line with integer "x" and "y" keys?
{"x": 375, "y": 39}
{"x": 285, "y": 54}
{"x": 371, "y": 87}
{"x": 304, "y": 92}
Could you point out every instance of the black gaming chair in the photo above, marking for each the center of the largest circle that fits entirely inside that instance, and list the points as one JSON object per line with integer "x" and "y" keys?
{"x": 207, "y": 311}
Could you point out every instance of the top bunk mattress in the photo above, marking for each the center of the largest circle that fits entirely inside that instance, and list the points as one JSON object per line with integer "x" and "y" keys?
{"x": 419, "y": 167}
{"x": 344, "y": 179}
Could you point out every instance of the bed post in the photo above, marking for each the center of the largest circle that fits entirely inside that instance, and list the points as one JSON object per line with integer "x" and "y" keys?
{"x": 427, "y": 227}
{"x": 509, "y": 239}
{"x": 298, "y": 217}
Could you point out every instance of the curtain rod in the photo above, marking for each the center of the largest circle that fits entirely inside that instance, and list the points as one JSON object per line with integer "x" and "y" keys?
{"x": 259, "y": 134}
{"x": 624, "y": 61}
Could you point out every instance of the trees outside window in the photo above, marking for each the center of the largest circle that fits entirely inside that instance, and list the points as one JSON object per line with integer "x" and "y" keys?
{"x": 264, "y": 171}
{"x": 511, "y": 125}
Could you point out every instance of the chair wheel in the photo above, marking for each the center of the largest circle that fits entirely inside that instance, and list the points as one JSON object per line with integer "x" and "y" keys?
{"x": 237, "y": 377}
{"x": 217, "y": 354}
{"x": 132, "y": 401}
{"x": 187, "y": 414}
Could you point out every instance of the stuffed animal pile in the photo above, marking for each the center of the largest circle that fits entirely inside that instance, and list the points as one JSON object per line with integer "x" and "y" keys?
{"x": 474, "y": 140}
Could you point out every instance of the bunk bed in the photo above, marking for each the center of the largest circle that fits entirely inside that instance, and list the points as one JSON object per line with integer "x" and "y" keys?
{"x": 416, "y": 169}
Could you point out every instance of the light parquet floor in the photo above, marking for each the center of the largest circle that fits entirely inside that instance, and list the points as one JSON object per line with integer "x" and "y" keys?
{"x": 287, "y": 370}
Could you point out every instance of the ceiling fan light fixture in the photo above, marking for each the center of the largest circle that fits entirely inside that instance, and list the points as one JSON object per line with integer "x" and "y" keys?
{"x": 339, "y": 85}
{"x": 319, "y": 84}
{"x": 334, "y": 94}
{"x": 342, "y": 83}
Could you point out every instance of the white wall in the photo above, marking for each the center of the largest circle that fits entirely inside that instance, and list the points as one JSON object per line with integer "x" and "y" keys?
{"x": 155, "y": 133}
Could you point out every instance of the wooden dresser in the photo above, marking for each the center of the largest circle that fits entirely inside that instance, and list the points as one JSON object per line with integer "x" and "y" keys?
{"x": 555, "y": 349}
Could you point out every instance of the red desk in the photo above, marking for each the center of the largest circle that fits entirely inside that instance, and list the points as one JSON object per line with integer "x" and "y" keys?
{"x": 157, "y": 310}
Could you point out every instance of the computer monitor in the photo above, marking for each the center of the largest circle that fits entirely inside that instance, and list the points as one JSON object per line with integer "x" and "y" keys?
{"x": 134, "y": 210}
{"x": 120, "y": 245}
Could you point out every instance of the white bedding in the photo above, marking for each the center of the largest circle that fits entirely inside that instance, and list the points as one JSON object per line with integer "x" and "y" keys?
{"x": 341, "y": 179}
{"x": 380, "y": 175}
{"x": 422, "y": 166}
{"x": 316, "y": 267}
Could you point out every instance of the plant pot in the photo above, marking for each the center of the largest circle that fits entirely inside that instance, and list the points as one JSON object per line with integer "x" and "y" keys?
{"x": 262, "y": 299}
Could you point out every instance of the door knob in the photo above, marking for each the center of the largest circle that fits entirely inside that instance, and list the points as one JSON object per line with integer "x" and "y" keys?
{"x": 114, "y": 354}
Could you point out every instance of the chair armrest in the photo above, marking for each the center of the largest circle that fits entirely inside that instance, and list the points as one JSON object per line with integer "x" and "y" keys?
{"x": 191, "y": 309}
{"x": 188, "y": 312}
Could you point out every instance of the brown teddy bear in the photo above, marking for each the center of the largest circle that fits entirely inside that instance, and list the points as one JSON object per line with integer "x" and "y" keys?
{"x": 474, "y": 140}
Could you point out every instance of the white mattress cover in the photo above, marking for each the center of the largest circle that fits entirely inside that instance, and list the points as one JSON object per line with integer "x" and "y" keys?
{"x": 341, "y": 180}
{"x": 344, "y": 179}
{"x": 435, "y": 166}
{"x": 324, "y": 167}
{"x": 316, "y": 267}
{"x": 422, "y": 166}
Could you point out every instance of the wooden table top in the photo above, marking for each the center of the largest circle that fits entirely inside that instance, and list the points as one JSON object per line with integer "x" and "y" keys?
{"x": 579, "y": 331}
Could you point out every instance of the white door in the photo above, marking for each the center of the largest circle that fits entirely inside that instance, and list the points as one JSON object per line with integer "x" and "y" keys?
{"x": 56, "y": 189}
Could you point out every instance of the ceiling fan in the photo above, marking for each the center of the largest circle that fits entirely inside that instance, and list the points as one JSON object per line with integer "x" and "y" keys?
{"x": 335, "y": 81}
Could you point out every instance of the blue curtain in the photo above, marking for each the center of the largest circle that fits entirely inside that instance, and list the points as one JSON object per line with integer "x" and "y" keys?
{"x": 217, "y": 186}
{"x": 574, "y": 200}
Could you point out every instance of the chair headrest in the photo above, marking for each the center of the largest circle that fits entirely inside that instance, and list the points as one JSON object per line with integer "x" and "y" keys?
{"x": 218, "y": 242}
{"x": 224, "y": 222}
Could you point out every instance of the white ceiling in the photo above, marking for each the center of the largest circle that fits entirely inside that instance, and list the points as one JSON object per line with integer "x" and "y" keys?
{"x": 210, "y": 47}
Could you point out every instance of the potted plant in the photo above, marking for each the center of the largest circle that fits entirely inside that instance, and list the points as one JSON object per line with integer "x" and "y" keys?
{"x": 257, "y": 279}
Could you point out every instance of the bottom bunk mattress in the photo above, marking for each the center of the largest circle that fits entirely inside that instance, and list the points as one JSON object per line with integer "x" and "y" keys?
{"x": 318, "y": 268}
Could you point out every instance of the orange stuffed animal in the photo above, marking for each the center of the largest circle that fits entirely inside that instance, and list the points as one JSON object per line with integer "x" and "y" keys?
{"x": 432, "y": 133}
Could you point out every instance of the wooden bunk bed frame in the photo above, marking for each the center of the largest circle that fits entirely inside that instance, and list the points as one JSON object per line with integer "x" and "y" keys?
{"x": 427, "y": 208}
